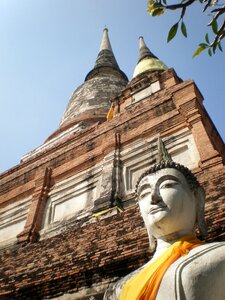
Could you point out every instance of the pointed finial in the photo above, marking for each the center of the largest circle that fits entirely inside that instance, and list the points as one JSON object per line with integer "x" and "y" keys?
{"x": 105, "y": 58}
{"x": 105, "y": 44}
{"x": 163, "y": 154}
{"x": 144, "y": 50}
{"x": 141, "y": 42}
{"x": 147, "y": 61}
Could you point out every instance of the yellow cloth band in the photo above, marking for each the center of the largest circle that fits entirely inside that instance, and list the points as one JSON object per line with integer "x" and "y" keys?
{"x": 145, "y": 285}
{"x": 103, "y": 212}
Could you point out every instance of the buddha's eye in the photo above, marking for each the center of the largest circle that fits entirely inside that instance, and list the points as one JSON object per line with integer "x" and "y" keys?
{"x": 168, "y": 184}
{"x": 144, "y": 193}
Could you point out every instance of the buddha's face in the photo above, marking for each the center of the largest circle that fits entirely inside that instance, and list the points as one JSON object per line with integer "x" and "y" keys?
{"x": 167, "y": 204}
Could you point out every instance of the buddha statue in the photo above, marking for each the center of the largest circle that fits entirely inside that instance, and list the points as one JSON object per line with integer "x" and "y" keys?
{"x": 171, "y": 203}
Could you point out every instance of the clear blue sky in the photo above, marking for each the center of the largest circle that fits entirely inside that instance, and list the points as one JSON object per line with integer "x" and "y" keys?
{"x": 48, "y": 46}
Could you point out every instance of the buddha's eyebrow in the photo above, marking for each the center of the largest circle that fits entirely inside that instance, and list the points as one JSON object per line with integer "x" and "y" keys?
{"x": 168, "y": 177}
{"x": 143, "y": 187}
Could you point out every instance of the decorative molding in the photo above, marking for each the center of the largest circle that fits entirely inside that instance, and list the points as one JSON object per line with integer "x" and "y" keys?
{"x": 52, "y": 142}
{"x": 147, "y": 91}
{"x": 141, "y": 154}
{"x": 33, "y": 221}
{"x": 112, "y": 180}
{"x": 71, "y": 197}
{"x": 12, "y": 220}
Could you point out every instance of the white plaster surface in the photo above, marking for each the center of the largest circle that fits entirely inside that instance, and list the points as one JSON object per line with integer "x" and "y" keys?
{"x": 12, "y": 220}
{"x": 155, "y": 86}
{"x": 75, "y": 204}
{"x": 200, "y": 275}
{"x": 72, "y": 196}
{"x": 140, "y": 95}
{"x": 9, "y": 232}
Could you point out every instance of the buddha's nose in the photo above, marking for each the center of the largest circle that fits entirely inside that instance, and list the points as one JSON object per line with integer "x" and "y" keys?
{"x": 155, "y": 197}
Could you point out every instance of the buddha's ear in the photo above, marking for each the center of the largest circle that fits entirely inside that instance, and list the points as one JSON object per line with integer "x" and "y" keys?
{"x": 200, "y": 201}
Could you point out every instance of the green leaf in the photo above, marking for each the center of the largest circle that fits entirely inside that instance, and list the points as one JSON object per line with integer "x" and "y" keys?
{"x": 172, "y": 32}
{"x": 198, "y": 51}
{"x": 207, "y": 38}
{"x": 164, "y": 1}
{"x": 214, "y": 26}
{"x": 157, "y": 12}
{"x": 219, "y": 46}
{"x": 183, "y": 29}
{"x": 209, "y": 52}
{"x": 203, "y": 45}
{"x": 156, "y": 5}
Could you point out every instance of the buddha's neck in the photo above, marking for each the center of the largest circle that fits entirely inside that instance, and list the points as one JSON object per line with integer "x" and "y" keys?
{"x": 166, "y": 241}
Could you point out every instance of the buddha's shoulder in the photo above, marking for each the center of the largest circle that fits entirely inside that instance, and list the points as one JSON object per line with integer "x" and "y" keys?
{"x": 203, "y": 257}
{"x": 208, "y": 250}
{"x": 192, "y": 275}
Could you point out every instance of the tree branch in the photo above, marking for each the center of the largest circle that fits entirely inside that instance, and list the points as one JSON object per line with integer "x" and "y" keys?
{"x": 179, "y": 5}
{"x": 220, "y": 35}
{"x": 220, "y": 12}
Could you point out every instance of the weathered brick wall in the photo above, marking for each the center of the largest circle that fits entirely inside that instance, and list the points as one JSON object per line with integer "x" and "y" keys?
{"x": 213, "y": 181}
{"x": 76, "y": 258}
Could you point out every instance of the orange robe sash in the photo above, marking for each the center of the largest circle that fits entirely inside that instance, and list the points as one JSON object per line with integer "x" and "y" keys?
{"x": 145, "y": 285}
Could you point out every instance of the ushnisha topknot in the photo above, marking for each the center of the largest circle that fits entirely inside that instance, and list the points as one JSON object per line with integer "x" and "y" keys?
{"x": 165, "y": 161}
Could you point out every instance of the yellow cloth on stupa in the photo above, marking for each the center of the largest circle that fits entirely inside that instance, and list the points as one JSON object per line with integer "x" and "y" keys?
{"x": 110, "y": 112}
{"x": 145, "y": 285}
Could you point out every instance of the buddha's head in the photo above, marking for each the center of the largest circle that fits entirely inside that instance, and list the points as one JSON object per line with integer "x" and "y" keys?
{"x": 171, "y": 200}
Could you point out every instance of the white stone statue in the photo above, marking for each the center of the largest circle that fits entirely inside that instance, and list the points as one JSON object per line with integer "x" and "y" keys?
{"x": 171, "y": 203}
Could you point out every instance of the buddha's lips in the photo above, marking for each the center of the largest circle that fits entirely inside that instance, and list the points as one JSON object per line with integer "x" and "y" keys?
{"x": 156, "y": 208}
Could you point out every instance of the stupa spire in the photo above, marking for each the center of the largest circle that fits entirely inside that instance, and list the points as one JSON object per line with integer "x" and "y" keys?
{"x": 105, "y": 44}
{"x": 144, "y": 50}
{"x": 147, "y": 61}
{"x": 105, "y": 58}
{"x": 90, "y": 102}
